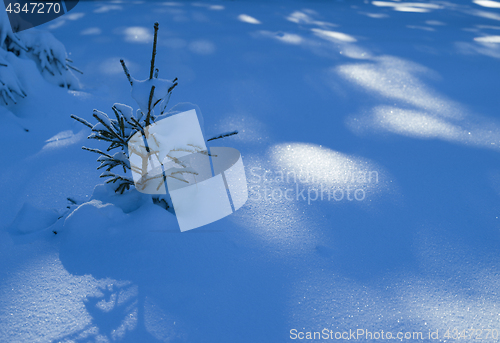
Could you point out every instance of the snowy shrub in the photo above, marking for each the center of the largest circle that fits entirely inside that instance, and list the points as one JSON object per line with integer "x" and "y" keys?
{"x": 50, "y": 57}
{"x": 152, "y": 96}
{"x": 10, "y": 87}
{"x": 48, "y": 53}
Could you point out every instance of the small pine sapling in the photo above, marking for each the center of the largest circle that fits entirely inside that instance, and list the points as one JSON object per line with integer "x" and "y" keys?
{"x": 118, "y": 131}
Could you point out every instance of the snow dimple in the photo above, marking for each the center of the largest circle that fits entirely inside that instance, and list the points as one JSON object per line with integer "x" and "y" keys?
{"x": 30, "y": 219}
{"x": 285, "y": 37}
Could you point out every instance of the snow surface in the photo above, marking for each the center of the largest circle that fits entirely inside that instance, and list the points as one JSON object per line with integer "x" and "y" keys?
{"x": 326, "y": 93}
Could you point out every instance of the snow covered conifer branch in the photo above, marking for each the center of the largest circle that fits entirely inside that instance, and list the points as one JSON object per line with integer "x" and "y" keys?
{"x": 47, "y": 52}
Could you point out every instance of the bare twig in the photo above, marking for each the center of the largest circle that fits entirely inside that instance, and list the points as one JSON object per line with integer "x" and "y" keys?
{"x": 75, "y": 69}
{"x": 151, "y": 73}
{"x": 148, "y": 117}
{"x": 125, "y": 69}
{"x": 223, "y": 135}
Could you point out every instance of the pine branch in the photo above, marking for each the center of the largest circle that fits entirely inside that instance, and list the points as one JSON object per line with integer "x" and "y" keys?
{"x": 153, "y": 57}
{"x": 223, "y": 135}
{"x": 110, "y": 130}
{"x": 102, "y": 138}
{"x": 148, "y": 117}
{"x": 127, "y": 73}
{"x": 97, "y": 151}
{"x": 75, "y": 69}
{"x": 122, "y": 187}
{"x": 138, "y": 124}
{"x": 173, "y": 86}
{"x": 83, "y": 121}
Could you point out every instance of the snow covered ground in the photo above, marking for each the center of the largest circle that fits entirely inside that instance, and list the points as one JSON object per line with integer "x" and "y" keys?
{"x": 391, "y": 105}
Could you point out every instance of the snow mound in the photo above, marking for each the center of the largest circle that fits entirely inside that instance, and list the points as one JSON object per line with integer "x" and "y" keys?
{"x": 31, "y": 219}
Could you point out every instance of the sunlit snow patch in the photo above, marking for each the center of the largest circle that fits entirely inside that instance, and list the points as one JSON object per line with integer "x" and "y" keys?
{"x": 64, "y": 138}
{"x": 421, "y": 112}
{"x": 336, "y": 36}
{"x": 487, "y": 3}
{"x": 324, "y": 168}
{"x": 248, "y": 19}
{"x": 488, "y": 39}
{"x": 137, "y": 34}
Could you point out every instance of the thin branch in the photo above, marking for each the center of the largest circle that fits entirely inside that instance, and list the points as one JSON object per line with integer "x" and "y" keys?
{"x": 148, "y": 117}
{"x": 151, "y": 73}
{"x": 173, "y": 86}
{"x": 125, "y": 70}
{"x": 75, "y": 69}
{"x": 83, "y": 121}
{"x": 97, "y": 151}
{"x": 222, "y": 135}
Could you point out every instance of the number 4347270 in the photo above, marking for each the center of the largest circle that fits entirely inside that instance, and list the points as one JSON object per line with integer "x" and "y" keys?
{"x": 478, "y": 334}
{"x": 34, "y": 7}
